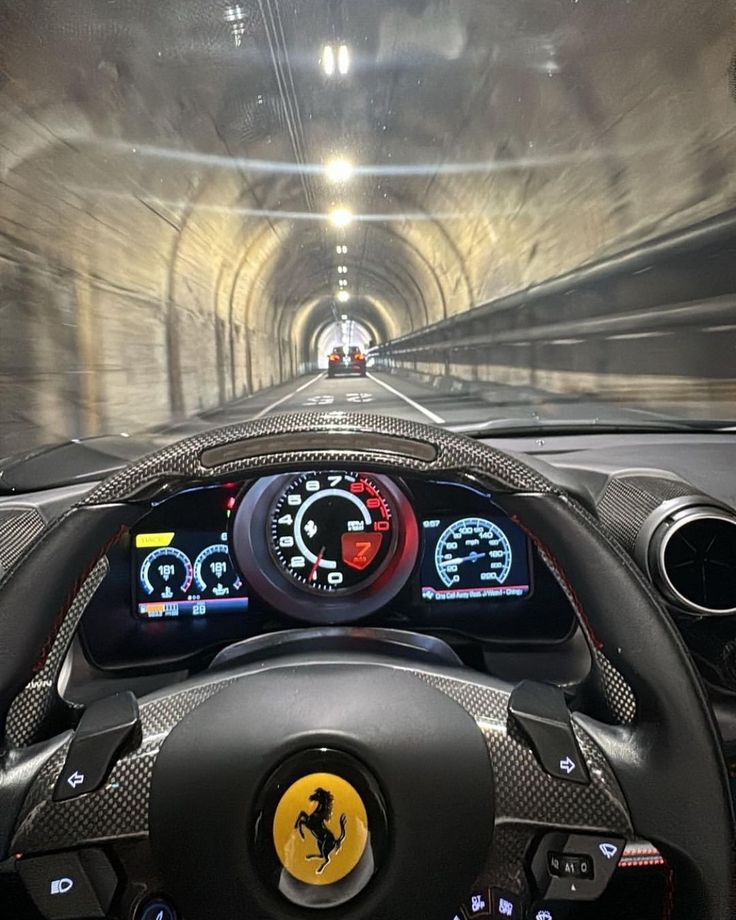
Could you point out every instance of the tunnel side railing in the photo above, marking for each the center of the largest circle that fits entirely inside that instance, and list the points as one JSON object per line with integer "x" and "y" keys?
{"x": 660, "y": 318}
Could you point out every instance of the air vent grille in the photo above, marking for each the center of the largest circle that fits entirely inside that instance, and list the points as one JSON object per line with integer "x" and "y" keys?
{"x": 697, "y": 560}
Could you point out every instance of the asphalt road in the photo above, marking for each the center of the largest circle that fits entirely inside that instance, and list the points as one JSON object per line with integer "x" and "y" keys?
{"x": 394, "y": 395}
{"x": 376, "y": 393}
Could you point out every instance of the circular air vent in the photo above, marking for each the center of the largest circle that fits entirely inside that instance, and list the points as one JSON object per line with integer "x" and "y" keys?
{"x": 693, "y": 558}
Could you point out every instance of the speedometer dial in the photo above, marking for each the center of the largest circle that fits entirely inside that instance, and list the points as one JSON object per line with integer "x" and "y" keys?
{"x": 477, "y": 544}
{"x": 332, "y": 532}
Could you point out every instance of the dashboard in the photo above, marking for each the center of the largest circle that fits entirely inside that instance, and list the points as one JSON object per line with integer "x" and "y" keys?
{"x": 211, "y": 566}
{"x": 656, "y": 493}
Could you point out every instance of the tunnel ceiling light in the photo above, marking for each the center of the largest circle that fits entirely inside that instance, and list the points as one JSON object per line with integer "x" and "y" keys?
{"x": 343, "y": 59}
{"x": 328, "y": 60}
{"x": 343, "y": 296}
{"x": 340, "y": 217}
{"x": 342, "y": 269}
{"x": 341, "y": 250}
{"x": 339, "y": 170}
{"x": 343, "y": 282}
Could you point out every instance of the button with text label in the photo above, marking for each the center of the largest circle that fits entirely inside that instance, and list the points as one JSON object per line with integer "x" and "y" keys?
{"x": 478, "y": 904}
{"x": 575, "y": 867}
{"x": 570, "y": 865}
{"x": 505, "y": 905}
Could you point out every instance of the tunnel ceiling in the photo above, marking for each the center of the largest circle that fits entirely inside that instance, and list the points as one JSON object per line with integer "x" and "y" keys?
{"x": 164, "y": 163}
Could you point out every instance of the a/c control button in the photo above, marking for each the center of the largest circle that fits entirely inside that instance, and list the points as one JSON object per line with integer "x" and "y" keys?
{"x": 157, "y": 909}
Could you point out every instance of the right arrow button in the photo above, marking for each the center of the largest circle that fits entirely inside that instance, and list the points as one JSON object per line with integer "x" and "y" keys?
{"x": 542, "y": 713}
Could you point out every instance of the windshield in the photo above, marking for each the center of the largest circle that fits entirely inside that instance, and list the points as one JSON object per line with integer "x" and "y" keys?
{"x": 506, "y": 213}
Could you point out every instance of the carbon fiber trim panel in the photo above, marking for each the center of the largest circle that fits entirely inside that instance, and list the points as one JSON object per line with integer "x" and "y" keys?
{"x": 183, "y": 461}
{"x": 627, "y": 502}
{"x": 525, "y": 793}
{"x": 34, "y": 703}
{"x": 507, "y": 861}
{"x": 120, "y": 808}
{"x": 18, "y": 529}
{"x": 618, "y": 694}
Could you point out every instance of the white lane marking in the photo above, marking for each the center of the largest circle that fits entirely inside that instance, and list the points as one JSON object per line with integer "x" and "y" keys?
{"x": 288, "y": 396}
{"x": 359, "y": 397}
{"x": 321, "y": 399}
{"x": 625, "y": 336}
{"x": 437, "y": 419}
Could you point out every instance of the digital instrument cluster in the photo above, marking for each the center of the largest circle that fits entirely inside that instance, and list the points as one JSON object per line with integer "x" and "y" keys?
{"x": 473, "y": 558}
{"x": 215, "y": 564}
{"x": 186, "y": 573}
{"x": 349, "y": 538}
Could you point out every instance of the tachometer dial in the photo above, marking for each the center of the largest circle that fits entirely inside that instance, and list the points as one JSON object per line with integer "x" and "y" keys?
{"x": 332, "y": 532}
{"x": 166, "y": 574}
{"x": 214, "y": 572}
{"x": 473, "y": 543}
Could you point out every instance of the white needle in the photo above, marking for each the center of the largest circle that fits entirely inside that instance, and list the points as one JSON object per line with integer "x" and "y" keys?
{"x": 471, "y": 558}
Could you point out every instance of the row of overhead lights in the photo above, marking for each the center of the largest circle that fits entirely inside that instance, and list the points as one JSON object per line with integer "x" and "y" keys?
{"x": 340, "y": 218}
{"x": 342, "y": 295}
{"x": 335, "y": 63}
{"x": 335, "y": 60}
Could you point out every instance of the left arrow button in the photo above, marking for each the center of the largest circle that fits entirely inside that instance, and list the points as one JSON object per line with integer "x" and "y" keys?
{"x": 107, "y": 728}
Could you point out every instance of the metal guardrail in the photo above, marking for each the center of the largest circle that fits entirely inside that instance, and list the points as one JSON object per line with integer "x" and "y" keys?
{"x": 682, "y": 280}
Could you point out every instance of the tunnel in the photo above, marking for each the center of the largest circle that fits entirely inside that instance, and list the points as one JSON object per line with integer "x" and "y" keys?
{"x": 195, "y": 194}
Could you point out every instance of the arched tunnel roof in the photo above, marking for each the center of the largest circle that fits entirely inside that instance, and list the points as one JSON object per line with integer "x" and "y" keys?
{"x": 167, "y": 191}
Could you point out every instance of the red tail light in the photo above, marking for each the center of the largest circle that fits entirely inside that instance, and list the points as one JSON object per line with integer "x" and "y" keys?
{"x": 334, "y": 358}
{"x": 358, "y": 356}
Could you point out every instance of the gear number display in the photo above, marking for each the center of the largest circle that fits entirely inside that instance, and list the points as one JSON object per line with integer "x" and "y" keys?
{"x": 331, "y": 531}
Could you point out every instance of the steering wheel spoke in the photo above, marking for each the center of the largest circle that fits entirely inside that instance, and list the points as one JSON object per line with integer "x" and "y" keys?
{"x": 534, "y": 810}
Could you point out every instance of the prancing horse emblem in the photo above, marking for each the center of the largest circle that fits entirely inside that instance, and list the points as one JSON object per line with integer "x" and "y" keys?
{"x": 316, "y": 824}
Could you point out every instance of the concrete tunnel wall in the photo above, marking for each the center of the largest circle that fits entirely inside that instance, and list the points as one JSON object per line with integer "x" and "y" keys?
{"x": 147, "y": 272}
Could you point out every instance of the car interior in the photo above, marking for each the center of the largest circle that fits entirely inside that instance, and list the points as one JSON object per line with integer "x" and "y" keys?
{"x": 472, "y": 633}
{"x": 367, "y": 460}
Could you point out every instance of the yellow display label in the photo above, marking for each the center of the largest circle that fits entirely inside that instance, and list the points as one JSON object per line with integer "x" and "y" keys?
{"x": 153, "y": 540}
{"x": 320, "y": 829}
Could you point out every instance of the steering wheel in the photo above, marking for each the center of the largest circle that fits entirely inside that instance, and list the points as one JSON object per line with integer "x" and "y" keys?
{"x": 441, "y": 778}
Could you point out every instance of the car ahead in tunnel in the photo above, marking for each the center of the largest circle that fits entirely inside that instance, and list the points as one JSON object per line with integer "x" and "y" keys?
{"x": 346, "y": 361}
{"x": 282, "y": 639}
